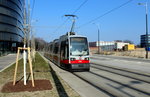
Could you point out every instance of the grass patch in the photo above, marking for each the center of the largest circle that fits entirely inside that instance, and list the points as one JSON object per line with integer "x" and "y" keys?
{"x": 42, "y": 70}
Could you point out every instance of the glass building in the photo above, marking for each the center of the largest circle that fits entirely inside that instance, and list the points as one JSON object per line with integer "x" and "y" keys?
{"x": 11, "y": 25}
{"x": 143, "y": 40}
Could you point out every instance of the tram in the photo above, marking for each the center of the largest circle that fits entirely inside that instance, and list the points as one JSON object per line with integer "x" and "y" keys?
{"x": 70, "y": 52}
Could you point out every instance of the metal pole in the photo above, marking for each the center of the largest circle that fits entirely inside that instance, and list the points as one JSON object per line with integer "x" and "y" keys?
{"x": 98, "y": 42}
{"x": 73, "y": 24}
{"x": 98, "y": 47}
{"x": 147, "y": 43}
{"x": 146, "y": 36}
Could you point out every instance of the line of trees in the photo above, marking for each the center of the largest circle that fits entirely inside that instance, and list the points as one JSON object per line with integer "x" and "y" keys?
{"x": 40, "y": 44}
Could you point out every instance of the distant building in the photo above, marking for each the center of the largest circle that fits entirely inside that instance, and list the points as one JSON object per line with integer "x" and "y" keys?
{"x": 108, "y": 46}
{"x": 120, "y": 45}
{"x": 104, "y": 43}
{"x": 129, "y": 47}
{"x": 92, "y": 44}
{"x": 11, "y": 25}
{"x": 143, "y": 41}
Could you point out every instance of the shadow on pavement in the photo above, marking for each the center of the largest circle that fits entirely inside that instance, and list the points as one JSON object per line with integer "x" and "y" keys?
{"x": 123, "y": 85}
{"x": 59, "y": 86}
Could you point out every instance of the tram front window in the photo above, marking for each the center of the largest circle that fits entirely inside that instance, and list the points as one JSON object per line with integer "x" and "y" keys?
{"x": 79, "y": 46}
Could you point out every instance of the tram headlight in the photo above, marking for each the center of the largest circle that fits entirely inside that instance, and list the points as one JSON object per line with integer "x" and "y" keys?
{"x": 72, "y": 59}
{"x": 86, "y": 58}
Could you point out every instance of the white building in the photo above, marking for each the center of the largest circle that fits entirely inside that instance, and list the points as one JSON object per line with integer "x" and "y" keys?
{"x": 105, "y": 43}
{"x": 109, "y": 46}
{"x": 119, "y": 45}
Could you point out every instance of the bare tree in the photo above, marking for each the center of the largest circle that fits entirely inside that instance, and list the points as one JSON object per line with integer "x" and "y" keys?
{"x": 40, "y": 44}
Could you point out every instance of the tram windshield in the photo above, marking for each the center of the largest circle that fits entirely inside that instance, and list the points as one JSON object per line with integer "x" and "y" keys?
{"x": 79, "y": 46}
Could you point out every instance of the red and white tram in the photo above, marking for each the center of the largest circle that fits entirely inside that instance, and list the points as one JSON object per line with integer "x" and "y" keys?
{"x": 70, "y": 52}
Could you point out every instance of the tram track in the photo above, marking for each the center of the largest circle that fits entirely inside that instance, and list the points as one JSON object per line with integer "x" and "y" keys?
{"x": 122, "y": 72}
{"x": 121, "y": 58}
{"x": 108, "y": 88}
{"x": 103, "y": 78}
{"x": 99, "y": 77}
{"x": 122, "y": 69}
{"x": 111, "y": 94}
{"x": 111, "y": 81}
{"x": 122, "y": 84}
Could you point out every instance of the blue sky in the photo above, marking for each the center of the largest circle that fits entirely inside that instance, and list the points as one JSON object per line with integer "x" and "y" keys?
{"x": 125, "y": 23}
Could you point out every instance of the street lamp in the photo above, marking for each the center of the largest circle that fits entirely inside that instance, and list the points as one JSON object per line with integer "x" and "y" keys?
{"x": 98, "y": 37}
{"x": 146, "y": 9}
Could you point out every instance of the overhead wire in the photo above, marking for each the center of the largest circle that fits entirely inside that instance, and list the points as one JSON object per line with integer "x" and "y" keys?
{"x": 114, "y": 9}
{"x": 32, "y": 8}
{"x": 80, "y": 6}
{"x": 61, "y": 25}
{"x": 69, "y": 17}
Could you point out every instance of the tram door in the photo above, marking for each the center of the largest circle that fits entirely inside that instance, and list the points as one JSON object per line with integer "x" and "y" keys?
{"x": 64, "y": 52}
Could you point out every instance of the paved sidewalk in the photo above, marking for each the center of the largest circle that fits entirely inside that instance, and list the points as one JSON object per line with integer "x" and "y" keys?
{"x": 7, "y": 61}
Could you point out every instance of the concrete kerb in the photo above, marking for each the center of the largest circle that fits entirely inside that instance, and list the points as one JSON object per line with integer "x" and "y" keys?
{"x": 43, "y": 57}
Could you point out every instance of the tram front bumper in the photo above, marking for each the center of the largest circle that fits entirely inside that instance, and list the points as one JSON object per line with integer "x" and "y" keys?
{"x": 80, "y": 66}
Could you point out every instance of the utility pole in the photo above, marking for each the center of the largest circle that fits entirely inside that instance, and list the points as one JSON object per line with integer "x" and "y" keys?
{"x": 147, "y": 43}
{"x": 98, "y": 37}
{"x": 146, "y": 36}
{"x": 98, "y": 42}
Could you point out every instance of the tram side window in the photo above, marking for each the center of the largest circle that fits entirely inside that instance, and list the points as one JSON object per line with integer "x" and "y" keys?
{"x": 51, "y": 48}
{"x": 64, "y": 49}
{"x": 56, "y": 48}
{"x": 63, "y": 43}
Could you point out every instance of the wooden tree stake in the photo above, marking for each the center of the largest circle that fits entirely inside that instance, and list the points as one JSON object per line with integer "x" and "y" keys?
{"x": 30, "y": 64}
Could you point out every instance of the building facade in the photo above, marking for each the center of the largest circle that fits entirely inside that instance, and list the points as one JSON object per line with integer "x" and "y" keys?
{"x": 108, "y": 45}
{"x": 11, "y": 25}
{"x": 144, "y": 41}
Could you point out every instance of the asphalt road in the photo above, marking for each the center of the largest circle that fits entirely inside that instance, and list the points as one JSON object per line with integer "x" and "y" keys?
{"x": 110, "y": 77}
{"x": 142, "y": 65}
{"x": 7, "y": 61}
{"x": 125, "y": 58}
